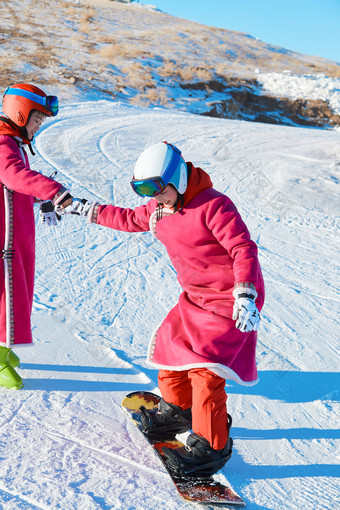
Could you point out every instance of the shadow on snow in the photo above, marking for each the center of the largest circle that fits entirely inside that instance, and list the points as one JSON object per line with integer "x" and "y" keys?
{"x": 288, "y": 386}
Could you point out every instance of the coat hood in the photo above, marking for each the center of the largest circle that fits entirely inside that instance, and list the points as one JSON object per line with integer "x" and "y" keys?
{"x": 199, "y": 180}
{"x": 7, "y": 127}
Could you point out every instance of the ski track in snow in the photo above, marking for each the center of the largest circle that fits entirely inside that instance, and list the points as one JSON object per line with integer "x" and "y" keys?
{"x": 65, "y": 442}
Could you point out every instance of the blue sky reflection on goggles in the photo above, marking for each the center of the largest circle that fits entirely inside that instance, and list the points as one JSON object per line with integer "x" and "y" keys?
{"x": 148, "y": 187}
{"x": 51, "y": 103}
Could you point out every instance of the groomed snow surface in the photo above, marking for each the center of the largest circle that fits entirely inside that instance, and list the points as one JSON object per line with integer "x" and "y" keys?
{"x": 65, "y": 442}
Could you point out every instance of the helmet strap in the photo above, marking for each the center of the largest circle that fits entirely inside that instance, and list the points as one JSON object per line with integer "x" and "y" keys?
{"x": 179, "y": 202}
{"x": 31, "y": 149}
{"x": 24, "y": 133}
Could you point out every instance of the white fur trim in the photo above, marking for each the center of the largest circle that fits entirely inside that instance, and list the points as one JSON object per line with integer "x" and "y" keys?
{"x": 8, "y": 266}
{"x": 153, "y": 219}
{"x": 217, "y": 368}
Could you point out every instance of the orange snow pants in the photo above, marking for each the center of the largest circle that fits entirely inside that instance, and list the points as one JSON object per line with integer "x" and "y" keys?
{"x": 204, "y": 392}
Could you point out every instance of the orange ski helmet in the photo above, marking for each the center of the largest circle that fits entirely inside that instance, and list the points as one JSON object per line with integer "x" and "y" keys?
{"x": 21, "y": 99}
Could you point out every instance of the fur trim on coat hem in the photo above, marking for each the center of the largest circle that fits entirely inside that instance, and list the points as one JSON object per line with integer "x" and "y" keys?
{"x": 220, "y": 370}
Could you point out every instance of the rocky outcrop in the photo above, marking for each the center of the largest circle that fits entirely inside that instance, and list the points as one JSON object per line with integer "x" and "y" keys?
{"x": 245, "y": 100}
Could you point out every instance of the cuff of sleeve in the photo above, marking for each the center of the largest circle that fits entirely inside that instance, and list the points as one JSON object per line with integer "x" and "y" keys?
{"x": 59, "y": 196}
{"x": 244, "y": 288}
{"x": 93, "y": 213}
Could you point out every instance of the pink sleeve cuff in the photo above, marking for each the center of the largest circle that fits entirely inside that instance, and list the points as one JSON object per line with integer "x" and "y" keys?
{"x": 59, "y": 196}
{"x": 93, "y": 213}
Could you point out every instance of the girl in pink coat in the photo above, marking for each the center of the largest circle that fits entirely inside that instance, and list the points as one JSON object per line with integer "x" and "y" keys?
{"x": 25, "y": 108}
{"x": 210, "y": 335}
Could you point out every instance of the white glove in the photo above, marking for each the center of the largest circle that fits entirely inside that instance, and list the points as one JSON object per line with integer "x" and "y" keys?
{"x": 48, "y": 214}
{"x": 245, "y": 313}
{"x": 79, "y": 206}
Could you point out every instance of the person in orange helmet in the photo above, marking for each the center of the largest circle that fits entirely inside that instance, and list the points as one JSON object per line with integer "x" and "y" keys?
{"x": 25, "y": 108}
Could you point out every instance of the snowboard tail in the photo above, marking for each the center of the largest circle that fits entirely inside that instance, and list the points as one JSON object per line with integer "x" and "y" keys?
{"x": 197, "y": 489}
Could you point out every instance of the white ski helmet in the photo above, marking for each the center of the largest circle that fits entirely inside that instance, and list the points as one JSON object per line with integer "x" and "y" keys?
{"x": 161, "y": 162}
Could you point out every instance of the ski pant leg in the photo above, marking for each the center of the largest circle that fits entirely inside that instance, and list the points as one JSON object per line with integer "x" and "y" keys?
{"x": 175, "y": 387}
{"x": 204, "y": 392}
{"x": 209, "y": 410}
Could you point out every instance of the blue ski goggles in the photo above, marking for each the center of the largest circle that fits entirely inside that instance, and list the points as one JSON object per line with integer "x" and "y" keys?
{"x": 51, "y": 103}
{"x": 148, "y": 187}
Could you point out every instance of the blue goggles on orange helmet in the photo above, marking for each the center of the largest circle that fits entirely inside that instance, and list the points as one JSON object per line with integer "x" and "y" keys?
{"x": 51, "y": 103}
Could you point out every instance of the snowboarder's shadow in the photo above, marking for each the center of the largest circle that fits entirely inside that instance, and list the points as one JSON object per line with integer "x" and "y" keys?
{"x": 85, "y": 378}
{"x": 284, "y": 386}
{"x": 241, "y": 473}
{"x": 78, "y": 368}
{"x": 294, "y": 388}
{"x": 261, "y": 472}
{"x": 289, "y": 386}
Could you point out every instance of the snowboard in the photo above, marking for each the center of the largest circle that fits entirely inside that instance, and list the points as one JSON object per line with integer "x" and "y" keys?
{"x": 201, "y": 489}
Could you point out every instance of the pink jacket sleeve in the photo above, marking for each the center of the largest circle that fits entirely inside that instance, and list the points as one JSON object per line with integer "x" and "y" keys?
{"x": 127, "y": 220}
{"x": 227, "y": 226}
{"x": 16, "y": 174}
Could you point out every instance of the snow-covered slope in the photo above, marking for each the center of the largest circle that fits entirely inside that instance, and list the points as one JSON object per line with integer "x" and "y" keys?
{"x": 86, "y": 49}
{"x": 65, "y": 443}
{"x": 294, "y": 86}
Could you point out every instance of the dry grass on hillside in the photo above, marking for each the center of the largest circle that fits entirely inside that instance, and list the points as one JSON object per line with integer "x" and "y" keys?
{"x": 128, "y": 51}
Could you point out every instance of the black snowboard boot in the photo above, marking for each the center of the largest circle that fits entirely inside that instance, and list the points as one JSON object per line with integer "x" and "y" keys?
{"x": 166, "y": 421}
{"x": 197, "y": 457}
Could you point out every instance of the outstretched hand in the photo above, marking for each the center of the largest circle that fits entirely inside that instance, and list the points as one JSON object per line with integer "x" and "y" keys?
{"x": 79, "y": 206}
{"x": 47, "y": 214}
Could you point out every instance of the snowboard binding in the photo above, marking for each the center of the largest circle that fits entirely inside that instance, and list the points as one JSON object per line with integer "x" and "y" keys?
{"x": 197, "y": 457}
{"x": 165, "y": 421}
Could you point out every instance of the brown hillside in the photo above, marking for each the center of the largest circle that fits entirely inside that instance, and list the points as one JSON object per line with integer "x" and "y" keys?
{"x": 136, "y": 54}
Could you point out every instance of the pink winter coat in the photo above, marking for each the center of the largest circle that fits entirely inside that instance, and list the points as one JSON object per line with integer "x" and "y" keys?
{"x": 18, "y": 187}
{"x": 211, "y": 250}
